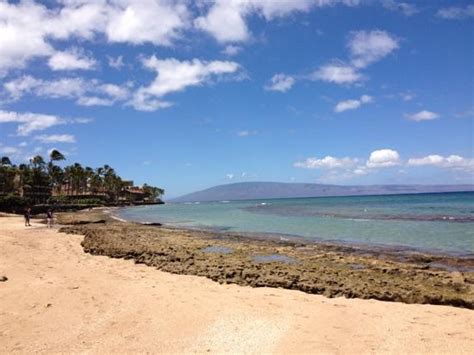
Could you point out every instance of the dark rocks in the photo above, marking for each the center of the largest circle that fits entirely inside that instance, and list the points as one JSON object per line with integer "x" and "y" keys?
{"x": 318, "y": 269}
{"x": 3, "y": 278}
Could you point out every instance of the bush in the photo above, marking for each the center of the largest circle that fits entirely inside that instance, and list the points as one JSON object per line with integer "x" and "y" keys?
{"x": 75, "y": 200}
{"x": 13, "y": 203}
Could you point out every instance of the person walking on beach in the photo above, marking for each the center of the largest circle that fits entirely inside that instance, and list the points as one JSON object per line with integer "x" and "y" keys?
{"x": 49, "y": 218}
{"x": 27, "y": 215}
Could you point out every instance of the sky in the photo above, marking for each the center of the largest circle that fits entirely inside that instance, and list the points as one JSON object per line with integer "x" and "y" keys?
{"x": 190, "y": 94}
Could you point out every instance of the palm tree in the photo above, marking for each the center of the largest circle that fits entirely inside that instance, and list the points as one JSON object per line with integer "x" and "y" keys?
{"x": 37, "y": 162}
{"x": 56, "y": 155}
{"x": 55, "y": 172}
{"x": 6, "y": 161}
{"x": 40, "y": 180}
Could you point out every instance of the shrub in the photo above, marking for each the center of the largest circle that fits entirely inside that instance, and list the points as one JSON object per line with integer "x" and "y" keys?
{"x": 13, "y": 203}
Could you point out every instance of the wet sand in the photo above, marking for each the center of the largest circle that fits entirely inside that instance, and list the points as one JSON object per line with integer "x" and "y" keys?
{"x": 59, "y": 299}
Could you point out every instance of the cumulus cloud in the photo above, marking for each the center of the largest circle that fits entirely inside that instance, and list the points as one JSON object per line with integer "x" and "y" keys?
{"x": 18, "y": 87}
{"x": 94, "y": 101}
{"x": 456, "y": 12}
{"x": 173, "y": 75}
{"x": 22, "y": 36}
{"x": 226, "y": 20}
{"x": 422, "y": 116}
{"x": 327, "y": 162}
{"x": 29, "y": 122}
{"x": 337, "y": 169}
{"x": 85, "y": 92}
{"x": 56, "y": 138}
{"x": 452, "y": 161}
{"x": 71, "y": 60}
{"x": 352, "y": 104}
{"x": 64, "y": 87}
{"x": 367, "y": 47}
{"x": 30, "y": 30}
{"x": 135, "y": 21}
{"x": 383, "y": 158}
{"x": 337, "y": 74}
{"x": 280, "y": 82}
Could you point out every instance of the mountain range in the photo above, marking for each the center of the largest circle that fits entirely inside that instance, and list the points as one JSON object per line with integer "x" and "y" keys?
{"x": 269, "y": 190}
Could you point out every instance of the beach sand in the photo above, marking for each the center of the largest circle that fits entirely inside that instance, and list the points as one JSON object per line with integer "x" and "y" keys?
{"x": 59, "y": 299}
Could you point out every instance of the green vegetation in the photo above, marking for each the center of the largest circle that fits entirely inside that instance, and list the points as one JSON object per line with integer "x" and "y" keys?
{"x": 41, "y": 182}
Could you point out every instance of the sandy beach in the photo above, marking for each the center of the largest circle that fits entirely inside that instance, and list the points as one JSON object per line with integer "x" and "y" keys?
{"x": 59, "y": 299}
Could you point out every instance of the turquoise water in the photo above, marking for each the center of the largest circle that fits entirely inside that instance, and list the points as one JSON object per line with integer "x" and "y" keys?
{"x": 434, "y": 222}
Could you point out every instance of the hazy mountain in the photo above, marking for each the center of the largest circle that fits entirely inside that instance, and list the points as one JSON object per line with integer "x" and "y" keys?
{"x": 267, "y": 190}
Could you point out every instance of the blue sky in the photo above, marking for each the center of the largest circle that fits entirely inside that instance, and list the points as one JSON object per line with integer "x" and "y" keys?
{"x": 187, "y": 95}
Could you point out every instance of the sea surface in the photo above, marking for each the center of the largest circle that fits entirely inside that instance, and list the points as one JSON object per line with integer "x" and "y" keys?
{"x": 441, "y": 222}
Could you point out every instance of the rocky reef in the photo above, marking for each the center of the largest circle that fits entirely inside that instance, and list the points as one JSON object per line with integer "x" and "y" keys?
{"x": 330, "y": 270}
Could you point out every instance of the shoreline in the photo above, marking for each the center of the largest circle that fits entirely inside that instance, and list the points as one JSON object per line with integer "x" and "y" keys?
{"x": 331, "y": 270}
{"x": 367, "y": 246}
{"x": 450, "y": 261}
{"x": 58, "y": 299}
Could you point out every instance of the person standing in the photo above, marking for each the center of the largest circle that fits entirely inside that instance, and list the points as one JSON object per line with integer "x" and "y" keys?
{"x": 49, "y": 218}
{"x": 27, "y": 215}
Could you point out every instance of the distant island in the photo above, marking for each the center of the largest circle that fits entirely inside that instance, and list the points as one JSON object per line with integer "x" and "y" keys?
{"x": 269, "y": 190}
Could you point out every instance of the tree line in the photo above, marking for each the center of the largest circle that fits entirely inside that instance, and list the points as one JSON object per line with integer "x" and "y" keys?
{"x": 44, "y": 181}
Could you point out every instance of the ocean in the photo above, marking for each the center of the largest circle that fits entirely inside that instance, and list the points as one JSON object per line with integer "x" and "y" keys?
{"x": 438, "y": 222}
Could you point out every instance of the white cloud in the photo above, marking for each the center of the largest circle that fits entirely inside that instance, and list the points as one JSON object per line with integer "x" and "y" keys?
{"x": 8, "y": 150}
{"x": 65, "y": 87}
{"x": 29, "y": 122}
{"x": 231, "y": 50}
{"x": 365, "y": 47}
{"x": 173, "y": 75}
{"x": 383, "y": 158}
{"x": 30, "y": 30}
{"x": 352, "y": 104}
{"x": 94, "y": 101}
{"x": 369, "y": 47}
{"x": 86, "y": 92}
{"x": 456, "y": 13}
{"x": 422, "y": 116}
{"x": 403, "y": 7}
{"x": 361, "y": 170}
{"x": 229, "y": 176}
{"x": 72, "y": 59}
{"x": 56, "y": 138}
{"x": 21, "y": 34}
{"x": 135, "y": 21}
{"x": 327, "y": 162}
{"x": 280, "y": 82}
{"x": 25, "y": 84}
{"x": 337, "y": 74}
{"x": 246, "y": 133}
{"x": 226, "y": 20}
{"x": 114, "y": 91}
{"x": 452, "y": 161}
